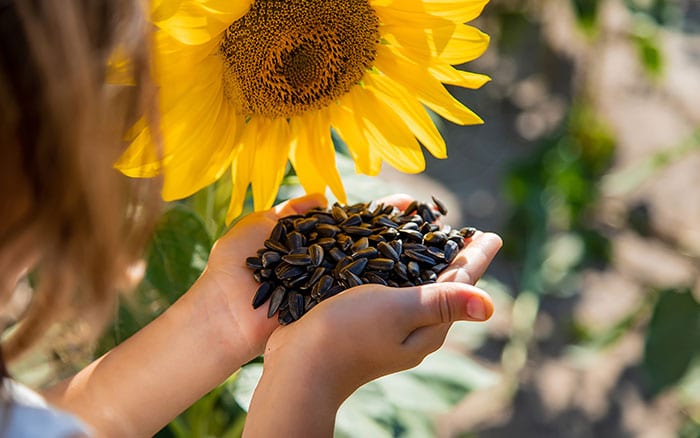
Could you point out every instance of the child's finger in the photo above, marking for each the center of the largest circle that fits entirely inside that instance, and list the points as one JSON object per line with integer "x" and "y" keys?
{"x": 398, "y": 200}
{"x": 472, "y": 261}
{"x": 441, "y": 303}
{"x": 425, "y": 340}
{"x": 299, "y": 205}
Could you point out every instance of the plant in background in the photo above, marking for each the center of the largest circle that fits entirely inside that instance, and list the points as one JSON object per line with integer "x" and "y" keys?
{"x": 247, "y": 86}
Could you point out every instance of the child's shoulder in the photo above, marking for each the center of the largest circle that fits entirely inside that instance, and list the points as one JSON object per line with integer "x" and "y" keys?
{"x": 27, "y": 414}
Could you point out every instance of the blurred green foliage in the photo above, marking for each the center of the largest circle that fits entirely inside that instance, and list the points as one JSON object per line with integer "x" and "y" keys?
{"x": 552, "y": 193}
{"x": 673, "y": 339}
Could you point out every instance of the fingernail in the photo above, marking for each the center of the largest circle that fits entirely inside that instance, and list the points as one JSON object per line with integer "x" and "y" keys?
{"x": 476, "y": 309}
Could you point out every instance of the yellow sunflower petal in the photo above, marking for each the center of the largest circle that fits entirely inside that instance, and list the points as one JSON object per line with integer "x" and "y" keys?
{"x": 459, "y": 11}
{"x": 344, "y": 121}
{"x": 426, "y": 88}
{"x": 452, "y": 44}
{"x": 202, "y": 156}
{"x": 200, "y": 21}
{"x": 183, "y": 101}
{"x": 142, "y": 158}
{"x": 164, "y": 9}
{"x": 198, "y": 135}
{"x": 271, "y": 151}
{"x": 241, "y": 168}
{"x": 181, "y": 68}
{"x": 450, "y": 75}
{"x": 313, "y": 156}
{"x": 410, "y": 110}
{"x": 386, "y": 132}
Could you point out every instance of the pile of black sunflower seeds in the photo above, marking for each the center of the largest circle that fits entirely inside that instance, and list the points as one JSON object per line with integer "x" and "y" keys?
{"x": 312, "y": 256}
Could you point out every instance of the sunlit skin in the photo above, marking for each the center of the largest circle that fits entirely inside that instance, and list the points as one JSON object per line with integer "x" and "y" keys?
{"x": 212, "y": 331}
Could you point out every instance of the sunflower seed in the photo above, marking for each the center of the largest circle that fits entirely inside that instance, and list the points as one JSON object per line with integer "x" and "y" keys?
{"x": 435, "y": 238}
{"x": 361, "y": 243}
{"x": 334, "y": 290}
{"x": 388, "y": 250}
{"x": 420, "y": 257}
{"x": 285, "y": 271}
{"x": 296, "y": 281}
{"x": 316, "y": 254}
{"x": 270, "y": 259}
{"x": 436, "y": 252}
{"x": 276, "y": 246}
{"x": 326, "y": 242}
{"x": 297, "y": 259}
{"x": 323, "y": 217}
{"x": 439, "y": 267}
{"x": 459, "y": 240}
{"x": 295, "y": 240}
{"x": 322, "y": 286}
{"x": 412, "y": 207}
{"x": 400, "y": 270}
{"x": 352, "y": 220}
{"x": 467, "y": 232}
{"x": 380, "y": 264}
{"x": 390, "y": 234}
{"x": 338, "y": 213}
{"x": 262, "y": 294}
{"x": 279, "y": 232}
{"x": 344, "y": 242}
{"x": 276, "y": 298}
{"x": 366, "y": 253}
{"x": 312, "y": 256}
{"x": 327, "y": 230}
{"x": 414, "y": 235}
{"x": 253, "y": 262}
{"x": 350, "y": 279}
{"x": 439, "y": 205}
{"x": 355, "y": 267}
{"x": 305, "y": 225}
{"x": 385, "y": 222}
{"x": 414, "y": 246}
{"x": 337, "y": 254}
{"x": 296, "y": 305}
{"x": 285, "y": 317}
{"x": 315, "y": 276}
{"x": 357, "y": 230}
{"x": 309, "y": 304}
{"x": 451, "y": 250}
{"x": 371, "y": 277}
{"x": 413, "y": 269}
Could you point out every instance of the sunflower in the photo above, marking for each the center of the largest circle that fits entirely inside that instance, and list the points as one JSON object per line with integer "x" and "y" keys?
{"x": 248, "y": 85}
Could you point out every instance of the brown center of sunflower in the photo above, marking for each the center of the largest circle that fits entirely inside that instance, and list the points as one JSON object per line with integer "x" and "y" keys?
{"x": 286, "y": 57}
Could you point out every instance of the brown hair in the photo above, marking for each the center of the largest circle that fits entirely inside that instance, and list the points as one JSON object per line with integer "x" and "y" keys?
{"x": 67, "y": 218}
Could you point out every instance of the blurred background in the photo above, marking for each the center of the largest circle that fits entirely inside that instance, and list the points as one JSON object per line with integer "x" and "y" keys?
{"x": 588, "y": 165}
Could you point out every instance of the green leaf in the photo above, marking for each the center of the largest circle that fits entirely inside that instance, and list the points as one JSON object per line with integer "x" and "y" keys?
{"x": 404, "y": 404}
{"x": 178, "y": 252}
{"x": 587, "y": 13}
{"x": 405, "y": 391}
{"x": 672, "y": 338}
{"x": 365, "y": 413}
{"x": 456, "y": 370}
{"x": 651, "y": 56}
